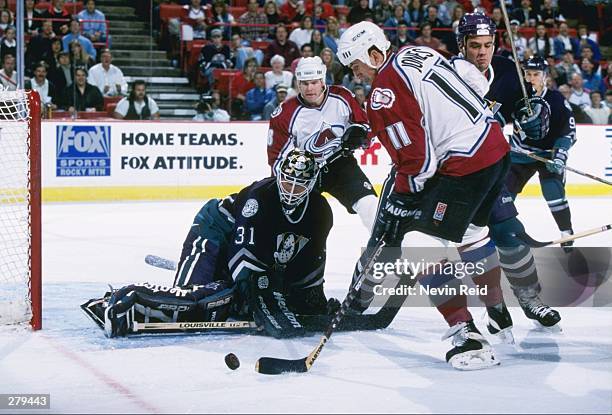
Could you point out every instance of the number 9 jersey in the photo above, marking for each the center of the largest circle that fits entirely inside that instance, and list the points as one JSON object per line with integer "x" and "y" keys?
{"x": 430, "y": 120}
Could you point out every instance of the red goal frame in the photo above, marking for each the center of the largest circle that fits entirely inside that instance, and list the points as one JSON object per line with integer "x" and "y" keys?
{"x": 35, "y": 209}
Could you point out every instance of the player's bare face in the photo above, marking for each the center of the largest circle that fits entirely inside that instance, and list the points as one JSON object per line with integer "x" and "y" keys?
{"x": 479, "y": 51}
{"x": 362, "y": 71}
{"x": 537, "y": 79}
{"x": 312, "y": 91}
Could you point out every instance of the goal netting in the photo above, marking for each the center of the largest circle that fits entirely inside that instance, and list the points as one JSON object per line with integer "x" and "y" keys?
{"x": 20, "y": 267}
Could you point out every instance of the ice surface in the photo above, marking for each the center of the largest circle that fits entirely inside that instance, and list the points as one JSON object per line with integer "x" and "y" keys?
{"x": 401, "y": 369}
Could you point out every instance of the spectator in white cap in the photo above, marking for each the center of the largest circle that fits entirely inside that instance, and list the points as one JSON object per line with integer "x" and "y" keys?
{"x": 278, "y": 75}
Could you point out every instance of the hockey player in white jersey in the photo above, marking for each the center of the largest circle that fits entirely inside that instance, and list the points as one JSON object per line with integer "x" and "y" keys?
{"x": 323, "y": 120}
{"x": 449, "y": 162}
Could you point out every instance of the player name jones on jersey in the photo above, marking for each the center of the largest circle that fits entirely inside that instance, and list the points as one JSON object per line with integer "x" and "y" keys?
{"x": 414, "y": 58}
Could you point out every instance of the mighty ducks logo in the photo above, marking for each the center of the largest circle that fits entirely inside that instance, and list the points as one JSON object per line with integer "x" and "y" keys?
{"x": 324, "y": 140}
{"x": 288, "y": 245}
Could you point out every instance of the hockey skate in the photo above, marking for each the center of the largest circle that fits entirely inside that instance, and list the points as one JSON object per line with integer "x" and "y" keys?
{"x": 540, "y": 313}
{"x": 567, "y": 246}
{"x": 471, "y": 350}
{"x": 500, "y": 323}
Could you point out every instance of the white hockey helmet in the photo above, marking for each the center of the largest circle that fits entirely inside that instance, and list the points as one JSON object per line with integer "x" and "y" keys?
{"x": 357, "y": 40}
{"x": 309, "y": 69}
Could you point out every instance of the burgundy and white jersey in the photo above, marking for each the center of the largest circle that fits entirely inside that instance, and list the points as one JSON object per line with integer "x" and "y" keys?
{"x": 315, "y": 129}
{"x": 430, "y": 120}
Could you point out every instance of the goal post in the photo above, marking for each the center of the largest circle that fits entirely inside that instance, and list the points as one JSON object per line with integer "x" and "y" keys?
{"x": 20, "y": 208}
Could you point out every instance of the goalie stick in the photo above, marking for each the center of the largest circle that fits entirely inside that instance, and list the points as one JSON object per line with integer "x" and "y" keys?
{"x": 523, "y": 236}
{"x": 312, "y": 323}
{"x": 276, "y": 366}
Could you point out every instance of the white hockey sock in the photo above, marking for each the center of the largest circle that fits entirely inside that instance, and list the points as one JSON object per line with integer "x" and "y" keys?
{"x": 366, "y": 209}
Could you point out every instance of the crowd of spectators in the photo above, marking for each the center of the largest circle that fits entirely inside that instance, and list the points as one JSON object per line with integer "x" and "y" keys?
{"x": 565, "y": 32}
{"x": 68, "y": 59}
{"x": 267, "y": 37}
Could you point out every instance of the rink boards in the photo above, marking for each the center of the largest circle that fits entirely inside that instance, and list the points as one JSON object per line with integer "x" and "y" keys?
{"x": 111, "y": 160}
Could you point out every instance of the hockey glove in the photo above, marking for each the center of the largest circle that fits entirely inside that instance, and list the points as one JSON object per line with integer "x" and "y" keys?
{"x": 395, "y": 217}
{"x": 536, "y": 125}
{"x": 355, "y": 136}
{"x": 270, "y": 309}
{"x": 559, "y": 158}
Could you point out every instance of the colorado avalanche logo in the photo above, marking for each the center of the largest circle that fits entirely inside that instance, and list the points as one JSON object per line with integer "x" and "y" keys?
{"x": 288, "y": 245}
{"x": 382, "y": 98}
{"x": 323, "y": 141}
{"x": 277, "y": 111}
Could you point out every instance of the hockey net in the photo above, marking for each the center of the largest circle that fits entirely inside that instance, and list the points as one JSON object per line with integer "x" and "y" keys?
{"x": 20, "y": 251}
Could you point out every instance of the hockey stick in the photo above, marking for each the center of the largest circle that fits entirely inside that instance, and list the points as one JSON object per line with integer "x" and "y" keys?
{"x": 548, "y": 161}
{"x": 515, "y": 56}
{"x": 276, "y": 366}
{"x": 160, "y": 262}
{"x": 538, "y": 244}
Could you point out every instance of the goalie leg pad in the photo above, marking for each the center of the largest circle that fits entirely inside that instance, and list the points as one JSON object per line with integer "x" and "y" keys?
{"x": 147, "y": 302}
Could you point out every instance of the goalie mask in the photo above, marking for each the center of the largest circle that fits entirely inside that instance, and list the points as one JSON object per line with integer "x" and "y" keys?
{"x": 295, "y": 180}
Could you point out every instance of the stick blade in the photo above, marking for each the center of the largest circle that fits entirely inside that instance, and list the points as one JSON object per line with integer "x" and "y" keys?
{"x": 274, "y": 366}
{"x": 160, "y": 262}
{"x": 529, "y": 241}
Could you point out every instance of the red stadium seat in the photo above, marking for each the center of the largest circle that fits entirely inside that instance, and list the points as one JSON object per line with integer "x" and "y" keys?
{"x": 190, "y": 62}
{"x": 110, "y": 109}
{"x": 261, "y": 44}
{"x": 74, "y": 8}
{"x": 236, "y": 11}
{"x": 223, "y": 80}
{"x": 342, "y": 10}
{"x": 108, "y": 101}
{"x": 168, "y": 11}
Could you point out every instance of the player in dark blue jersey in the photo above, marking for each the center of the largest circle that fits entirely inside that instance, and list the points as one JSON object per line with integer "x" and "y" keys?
{"x": 476, "y": 40}
{"x": 553, "y": 144}
{"x": 261, "y": 250}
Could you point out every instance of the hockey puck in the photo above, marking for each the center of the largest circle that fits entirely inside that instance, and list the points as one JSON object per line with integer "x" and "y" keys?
{"x": 231, "y": 360}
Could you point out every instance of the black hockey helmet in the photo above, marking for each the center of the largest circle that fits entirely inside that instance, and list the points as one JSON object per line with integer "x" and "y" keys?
{"x": 536, "y": 63}
{"x": 474, "y": 24}
{"x": 296, "y": 178}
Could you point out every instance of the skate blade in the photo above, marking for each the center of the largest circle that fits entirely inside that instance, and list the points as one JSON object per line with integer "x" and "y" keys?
{"x": 505, "y": 336}
{"x": 474, "y": 360}
{"x": 556, "y": 329}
